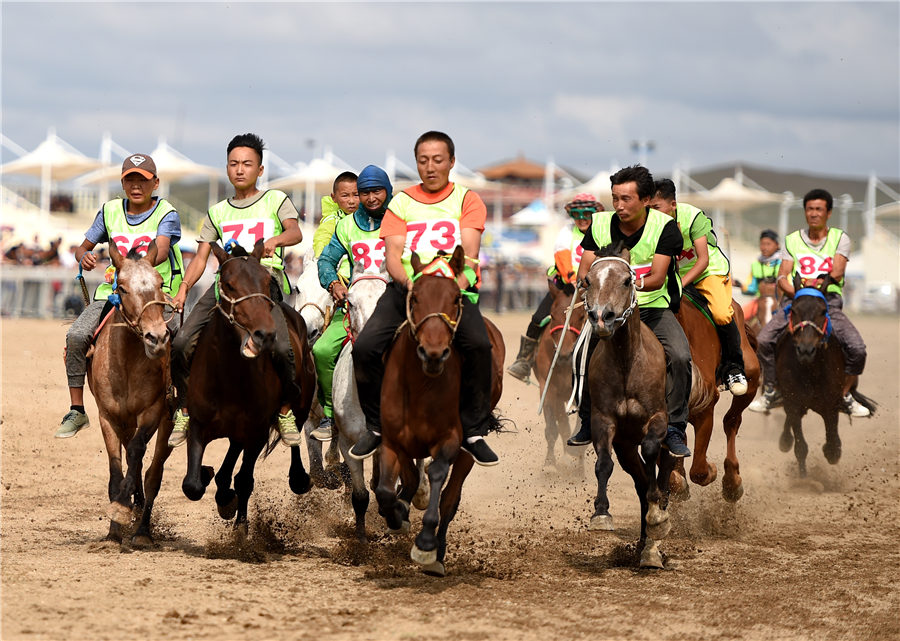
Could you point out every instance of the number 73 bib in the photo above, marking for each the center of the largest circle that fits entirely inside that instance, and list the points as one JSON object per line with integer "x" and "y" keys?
{"x": 428, "y": 237}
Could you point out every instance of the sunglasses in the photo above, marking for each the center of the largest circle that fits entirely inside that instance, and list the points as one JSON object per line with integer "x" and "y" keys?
{"x": 582, "y": 213}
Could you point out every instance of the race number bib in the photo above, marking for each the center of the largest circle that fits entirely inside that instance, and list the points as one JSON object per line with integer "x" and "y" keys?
{"x": 576, "y": 256}
{"x": 686, "y": 256}
{"x": 368, "y": 253}
{"x": 428, "y": 237}
{"x": 642, "y": 270}
{"x": 125, "y": 242}
{"x": 248, "y": 232}
{"x": 811, "y": 265}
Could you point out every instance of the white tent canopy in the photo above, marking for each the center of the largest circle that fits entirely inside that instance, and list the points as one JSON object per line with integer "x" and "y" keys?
{"x": 730, "y": 195}
{"x": 53, "y": 160}
{"x": 313, "y": 178}
{"x": 534, "y": 215}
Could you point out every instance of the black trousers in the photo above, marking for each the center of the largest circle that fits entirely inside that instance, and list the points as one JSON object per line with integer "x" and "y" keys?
{"x": 542, "y": 312}
{"x": 471, "y": 340}
{"x": 678, "y": 365}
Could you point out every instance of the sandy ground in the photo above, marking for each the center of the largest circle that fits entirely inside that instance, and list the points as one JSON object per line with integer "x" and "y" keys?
{"x": 814, "y": 560}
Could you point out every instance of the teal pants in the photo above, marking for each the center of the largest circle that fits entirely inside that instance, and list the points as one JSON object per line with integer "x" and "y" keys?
{"x": 325, "y": 354}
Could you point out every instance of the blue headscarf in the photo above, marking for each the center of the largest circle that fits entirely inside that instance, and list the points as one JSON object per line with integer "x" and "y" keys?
{"x": 373, "y": 177}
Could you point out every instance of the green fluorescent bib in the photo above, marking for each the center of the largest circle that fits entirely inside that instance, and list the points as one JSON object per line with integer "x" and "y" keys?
{"x": 814, "y": 263}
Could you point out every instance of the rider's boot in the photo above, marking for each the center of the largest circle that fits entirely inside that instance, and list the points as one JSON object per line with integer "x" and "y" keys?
{"x": 769, "y": 399}
{"x": 582, "y": 436}
{"x": 367, "y": 443}
{"x": 287, "y": 427}
{"x": 324, "y": 431}
{"x": 179, "y": 429}
{"x": 474, "y": 444}
{"x": 733, "y": 378}
{"x": 521, "y": 368}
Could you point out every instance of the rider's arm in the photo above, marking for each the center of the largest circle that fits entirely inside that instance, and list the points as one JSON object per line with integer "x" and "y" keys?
{"x": 163, "y": 243}
{"x": 657, "y": 276}
{"x": 84, "y": 256}
{"x": 701, "y": 247}
{"x": 287, "y": 238}
{"x": 328, "y": 261}
{"x": 783, "y": 280}
{"x": 839, "y": 267}
{"x": 471, "y": 242}
{"x": 192, "y": 274}
{"x": 587, "y": 259}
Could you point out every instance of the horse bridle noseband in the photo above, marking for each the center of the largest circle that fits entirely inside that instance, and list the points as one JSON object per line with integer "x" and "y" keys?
{"x": 825, "y": 330}
{"x": 451, "y": 323}
{"x": 620, "y": 320}
{"x": 136, "y": 326}
{"x": 229, "y": 316}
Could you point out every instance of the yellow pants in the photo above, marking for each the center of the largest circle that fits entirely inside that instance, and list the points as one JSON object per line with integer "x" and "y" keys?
{"x": 717, "y": 290}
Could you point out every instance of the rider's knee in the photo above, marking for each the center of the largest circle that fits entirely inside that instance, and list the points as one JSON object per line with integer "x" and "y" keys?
{"x": 721, "y": 314}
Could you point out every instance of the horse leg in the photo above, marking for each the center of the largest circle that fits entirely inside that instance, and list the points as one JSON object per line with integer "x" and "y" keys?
{"x": 631, "y": 463}
{"x": 244, "y": 483}
{"x": 420, "y": 499}
{"x": 359, "y": 494}
{"x": 657, "y": 519}
{"x": 703, "y": 472}
{"x": 793, "y": 422}
{"x": 424, "y": 551}
{"x": 152, "y": 482}
{"x": 198, "y": 475}
{"x": 551, "y": 433}
{"x": 603, "y": 430}
{"x": 732, "y": 486}
{"x": 449, "y": 504}
{"x": 114, "y": 454}
{"x": 832, "y": 447}
{"x": 299, "y": 481}
{"x": 120, "y": 507}
{"x": 386, "y": 491}
{"x": 226, "y": 498}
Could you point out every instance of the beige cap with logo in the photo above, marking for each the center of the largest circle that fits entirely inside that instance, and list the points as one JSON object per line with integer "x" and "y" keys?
{"x": 139, "y": 163}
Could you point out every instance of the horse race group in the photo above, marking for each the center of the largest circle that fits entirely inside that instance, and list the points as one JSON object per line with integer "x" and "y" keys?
{"x": 243, "y": 364}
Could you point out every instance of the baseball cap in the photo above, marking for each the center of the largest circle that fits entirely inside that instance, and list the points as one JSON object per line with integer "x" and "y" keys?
{"x": 140, "y": 163}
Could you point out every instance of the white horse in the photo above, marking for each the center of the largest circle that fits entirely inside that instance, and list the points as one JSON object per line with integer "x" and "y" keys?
{"x": 362, "y": 296}
{"x": 315, "y": 306}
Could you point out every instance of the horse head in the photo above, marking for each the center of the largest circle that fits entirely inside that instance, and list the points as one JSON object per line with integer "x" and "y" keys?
{"x": 434, "y": 308}
{"x": 562, "y": 299}
{"x": 243, "y": 291}
{"x": 366, "y": 287}
{"x": 313, "y": 301}
{"x": 141, "y": 301}
{"x": 808, "y": 319}
{"x": 611, "y": 296}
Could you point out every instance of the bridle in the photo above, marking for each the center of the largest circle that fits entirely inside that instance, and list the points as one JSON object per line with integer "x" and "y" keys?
{"x": 824, "y": 331}
{"x": 115, "y": 300}
{"x": 347, "y": 322}
{"x": 326, "y": 313}
{"x": 453, "y": 324}
{"x": 620, "y": 320}
{"x": 229, "y": 315}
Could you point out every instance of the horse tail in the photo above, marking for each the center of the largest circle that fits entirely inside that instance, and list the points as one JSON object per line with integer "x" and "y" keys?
{"x": 864, "y": 400}
{"x": 273, "y": 440}
{"x": 496, "y": 422}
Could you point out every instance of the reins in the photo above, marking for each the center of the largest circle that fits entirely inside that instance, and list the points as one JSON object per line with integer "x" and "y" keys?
{"x": 229, "y": 316}
{"x": 825, "y": 330}
{"x": 451, "y": 323}
{"x": 347, "y": 322}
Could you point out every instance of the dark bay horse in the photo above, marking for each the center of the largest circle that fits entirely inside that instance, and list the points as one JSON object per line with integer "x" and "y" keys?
{"x": 420, "y": 396}
{"x": 556, "y": 420}
{"x": 627, "y": 376}
{"x": 809, "y": 365}
{"x": 706, "y": 354}
{"x": 128, "y": 373}
{"x": 234, "y": 390}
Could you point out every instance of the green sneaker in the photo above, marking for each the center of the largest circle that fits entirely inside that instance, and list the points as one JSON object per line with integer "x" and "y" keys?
{"x": 72, "y": 423}
{"x": 290, "y": 435}
{"x": 179, "y": 430}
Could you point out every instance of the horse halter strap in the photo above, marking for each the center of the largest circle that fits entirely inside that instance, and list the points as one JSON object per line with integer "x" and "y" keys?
{"x": 825, "y": 330}
{"x": 115, "y": 299}
{"x": 229, "y": 316}
{"x": 620, "y": 320}
{"x": 451, "y": 323}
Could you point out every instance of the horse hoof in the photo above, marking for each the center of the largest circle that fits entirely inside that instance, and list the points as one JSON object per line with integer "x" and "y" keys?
{"x": 679, "y": 488}
{"x": 423, "y": 557}
{"x": 207, "y": 473}
{"x": 300, "y": 485}
{"x": 601, "y": 522}
{"x": 651, "y": 557}
{"x": 403, "y": 529}
{"x": 658, "y": 524}
{"x": 832, "y": 453}
{"x": 228, "y": 510}
{"x": 142, "y": 542}
{"x": 732, "y": 494}
{"x": 420, "y": 499}
{"x": 786, "y": 442}
{"x": 660, "y": 530}
{"x": 119, "y": 513}
{"x": 435, "y": 569}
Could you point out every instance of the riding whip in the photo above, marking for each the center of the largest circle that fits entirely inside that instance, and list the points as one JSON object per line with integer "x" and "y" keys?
{"x": 558, "y": 348}
{"x": 84, "y": 289}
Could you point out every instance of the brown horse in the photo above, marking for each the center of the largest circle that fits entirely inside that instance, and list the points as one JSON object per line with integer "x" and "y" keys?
{"x": 809, "y": 365}
{"x": 235, "y": 392}
{"x": 556, "y": 421}
{"x": 128, "y": 373}
{"x": 420, "y": 396}
{"x": 706, "y": 354}
{"x": 758, "y": 311}
{"x": 627, "y": 376}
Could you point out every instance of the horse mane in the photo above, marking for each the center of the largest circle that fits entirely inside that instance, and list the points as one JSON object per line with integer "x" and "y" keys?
{"x": 614, "y": 250}
{"x": 132, "y": 254}
{"x": 238, "y": 251}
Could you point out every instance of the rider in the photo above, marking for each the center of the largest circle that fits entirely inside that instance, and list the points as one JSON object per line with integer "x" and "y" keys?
{"x": 342, "y": 202}
{"x": 762, "y": 270}
{"x": 355, "y": 238}
{"x": 250, "y": 215}
{"x": 654, "y": 242}
{"x": 703, "y": 263}
{"x": 567, "y": 257}
{"x": 445, "y": 215}
{"x": 131, "y": 223}
{"x": 813, "y": 253}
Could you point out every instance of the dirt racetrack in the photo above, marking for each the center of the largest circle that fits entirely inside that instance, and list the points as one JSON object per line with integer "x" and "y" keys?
{"x": 814, "y": 560}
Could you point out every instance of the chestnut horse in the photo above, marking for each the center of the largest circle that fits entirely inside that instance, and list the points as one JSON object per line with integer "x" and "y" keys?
{"x": 706, "y": 354}
{"x": 809, "y": 365}
{"x": 758, "y": 312}
{"x": 128, "y": 373}
{"x": 627, "y": 376}
{"x": 556, "y": 420}
{"x": 234, "y": 391}
{"x": 420, "y": 396}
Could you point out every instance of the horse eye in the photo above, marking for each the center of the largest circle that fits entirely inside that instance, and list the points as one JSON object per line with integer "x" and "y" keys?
{"x": 587, "y": 281}
{"x": 122, "y": 290}
{"x": 628, "y": 281}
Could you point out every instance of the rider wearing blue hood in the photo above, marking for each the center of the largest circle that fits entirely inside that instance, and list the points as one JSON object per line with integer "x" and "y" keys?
{"x": 355, "y": 237}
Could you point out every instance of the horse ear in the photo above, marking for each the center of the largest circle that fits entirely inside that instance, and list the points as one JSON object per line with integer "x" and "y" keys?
{"x": 828, "y": 280}
{"x": 258, "y": 249}
{"x": 152, "y": 251}
{"x": 115, "y": 256}
{"x": 458, "y": 260}
{"x": 796, "y": 282}
{"x": 416, "y": 263}
{"x": 221, "y": 254}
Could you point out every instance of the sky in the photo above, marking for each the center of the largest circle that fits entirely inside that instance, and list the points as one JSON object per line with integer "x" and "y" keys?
{"x": 802, "y": 86}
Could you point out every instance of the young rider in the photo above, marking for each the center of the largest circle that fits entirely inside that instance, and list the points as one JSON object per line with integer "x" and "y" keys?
{"x": 654, "y": 242}
{"x": 567, "y": 257}
{"x": 762, "y": 270}
{"x": 812, "y": 254}
{"x": 355, "y": 239}
{"x": 445, "y": 215}
{"x": 248, "y": 216}
{"x": 342, "y": 202}
{"x": 127, "y": 223}
{"x": 702, "y": 263}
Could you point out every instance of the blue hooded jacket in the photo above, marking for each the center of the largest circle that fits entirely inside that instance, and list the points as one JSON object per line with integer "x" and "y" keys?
{"x": 371, "y": 177}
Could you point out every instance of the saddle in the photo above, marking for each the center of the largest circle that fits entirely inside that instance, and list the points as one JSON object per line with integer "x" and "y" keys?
{"x": 691, "y": 293}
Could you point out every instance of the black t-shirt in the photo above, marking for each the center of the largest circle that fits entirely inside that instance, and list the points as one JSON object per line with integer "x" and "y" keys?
{"x": 669, "y": 244}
